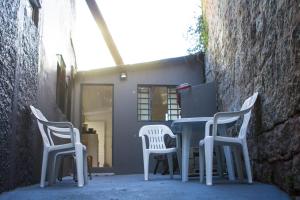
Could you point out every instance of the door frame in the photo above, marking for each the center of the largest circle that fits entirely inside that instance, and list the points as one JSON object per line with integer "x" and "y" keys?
{"x": 100, "y": 169}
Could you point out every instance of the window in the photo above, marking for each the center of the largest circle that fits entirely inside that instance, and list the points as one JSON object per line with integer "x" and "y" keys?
{"x": 33, "y": 11}
{"x": 157, "y": 103}
{"x": 144, "y": 103}
{"x": 35, "y": 16}
{"x": 61, "y": 84}
{"x": 173, "y": 107}
{"x": 64, "y": 85}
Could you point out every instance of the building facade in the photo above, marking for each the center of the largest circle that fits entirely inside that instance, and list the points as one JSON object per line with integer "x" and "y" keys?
{"x": 124, "y": 104}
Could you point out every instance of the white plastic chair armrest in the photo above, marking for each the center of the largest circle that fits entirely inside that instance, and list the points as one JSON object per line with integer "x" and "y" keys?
{"x": 60, "y": 129}
{"x": 172, "y": 135}
{"x": 77, "y": 136}
{"x": 221, "y": 120}
{"x": 227, "y": 117}
{"x": 59, "y": 126}
{"x": 143, "y": 142}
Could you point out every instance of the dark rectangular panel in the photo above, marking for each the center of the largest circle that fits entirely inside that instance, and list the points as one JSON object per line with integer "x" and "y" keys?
{"x": 199, "y": 101}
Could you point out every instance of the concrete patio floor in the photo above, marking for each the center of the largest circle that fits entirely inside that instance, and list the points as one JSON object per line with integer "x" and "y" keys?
{"x": 133, "y": 187}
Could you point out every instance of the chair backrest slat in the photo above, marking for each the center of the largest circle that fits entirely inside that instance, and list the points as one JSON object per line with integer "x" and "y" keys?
{"x": 248, "y": 103}
{"x": 155, "y": 135}
{"x": 39, "y": 116}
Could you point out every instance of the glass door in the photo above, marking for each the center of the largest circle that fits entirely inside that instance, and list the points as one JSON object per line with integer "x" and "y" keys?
{"x": 96, "y": 118}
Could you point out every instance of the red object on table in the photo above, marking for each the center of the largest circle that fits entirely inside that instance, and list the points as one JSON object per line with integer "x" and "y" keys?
{"x": 179, "y": 88}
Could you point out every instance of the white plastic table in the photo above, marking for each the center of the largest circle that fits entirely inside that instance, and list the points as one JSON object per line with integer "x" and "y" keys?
{"x": 186, "y": 135}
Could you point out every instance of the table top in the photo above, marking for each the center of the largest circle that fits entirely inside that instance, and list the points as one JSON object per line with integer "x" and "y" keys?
{"x": 191, "y": 120}
{"x": 177, "y": 124}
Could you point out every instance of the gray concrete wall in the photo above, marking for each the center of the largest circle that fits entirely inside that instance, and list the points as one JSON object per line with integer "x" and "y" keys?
{"x": 56, "y": 30}
{"x": 127, "y": 148}
{"x": 57, "y": 20}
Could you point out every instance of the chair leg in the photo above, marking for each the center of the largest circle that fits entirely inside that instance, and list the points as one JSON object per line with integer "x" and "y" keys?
{"x": 228, "y": 159}
{"x": 60, "y": 168}
{"x": 85, "y": 168}
{"x": 44, "y": 168}
{"x": 247, "y": 161}
{"x": 209, "y": 147}
{"x": 156, "y": 166}
{"x": 238, "y": 163}
{"x": 201, "y": 163}
{"x": 219, "y": 160}
{"x": 79, "y": 164}
{"x": 54, "y": 169}
{"x": 74, "y": 169}
{"x": 170, "y": 164}
{"x": 146, "y": 166}
{"x": 50, "y": 167}
{"x": 89, "y": 165}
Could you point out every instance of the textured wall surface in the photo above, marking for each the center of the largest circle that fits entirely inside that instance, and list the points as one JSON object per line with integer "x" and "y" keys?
{"x": 18, "y": 88}
{"x": 28, "y": 63}
{"x": 255, "y": 46}
{"x": 8, "y": 65}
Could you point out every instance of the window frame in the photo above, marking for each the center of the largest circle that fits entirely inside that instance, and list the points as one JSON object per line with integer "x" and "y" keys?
{"x": 61, "y": 84}
{"x": 150, "y": 102}
{"x": 36, "y": 5}
{"x": 170, "y": 109}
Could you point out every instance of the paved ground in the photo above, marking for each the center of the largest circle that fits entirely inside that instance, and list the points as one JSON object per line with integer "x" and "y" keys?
{"x": 133, "y": 187}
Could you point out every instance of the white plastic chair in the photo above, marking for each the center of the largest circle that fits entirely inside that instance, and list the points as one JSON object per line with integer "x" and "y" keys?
{"x": 156, "y": 145}
{"x": 63, "y": 130}
{"x": 211, "y": 140}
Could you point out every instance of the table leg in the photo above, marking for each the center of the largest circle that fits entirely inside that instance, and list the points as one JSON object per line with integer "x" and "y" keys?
{"x": 179, "y": 152}
{"x": 186, "y": 143}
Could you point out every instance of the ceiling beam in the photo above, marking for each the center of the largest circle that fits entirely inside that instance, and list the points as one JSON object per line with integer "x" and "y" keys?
{"x": 105, "y": 31}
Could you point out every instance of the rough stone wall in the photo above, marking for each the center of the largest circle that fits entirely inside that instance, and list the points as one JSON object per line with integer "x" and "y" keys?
{"x": 255, "y": 46}
{"x": 28, "y": 63}
{"x": 18, "y": 88}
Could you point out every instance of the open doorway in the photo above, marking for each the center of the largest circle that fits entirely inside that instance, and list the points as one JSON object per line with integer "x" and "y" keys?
{"x": 96, "y": 118}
